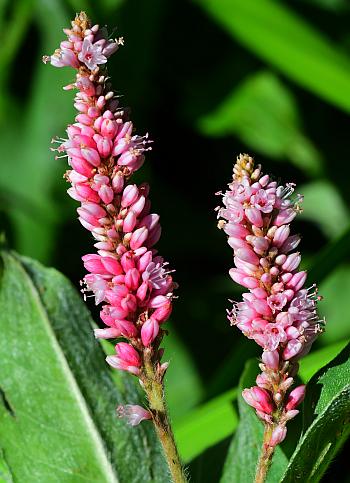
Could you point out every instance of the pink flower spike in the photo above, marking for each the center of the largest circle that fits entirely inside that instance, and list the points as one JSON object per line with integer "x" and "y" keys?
{"x": 276, "y": 312}
{"x": 133, "y": 414}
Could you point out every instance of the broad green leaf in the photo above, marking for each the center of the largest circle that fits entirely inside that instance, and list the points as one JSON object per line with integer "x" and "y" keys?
{"x": 335, "y": 304}
{"x": 283, "y": 39}
{"x": 205, "y": 426}
{"x": 245, "y": 448}
{"x": 5, "y": 473}
{"x": 324, "y": 205}
{"x": 57, "y": 415}
{"x": 314, "y": 361}
{"x": 327, "y": 415}
{"x": 264, "y": 114}
{"x": 329, "y": 257}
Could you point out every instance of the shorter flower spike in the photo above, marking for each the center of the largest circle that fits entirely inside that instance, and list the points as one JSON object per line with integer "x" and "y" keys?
{"x": 276, "y": 311}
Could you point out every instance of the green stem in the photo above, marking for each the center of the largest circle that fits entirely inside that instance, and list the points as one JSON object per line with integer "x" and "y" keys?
{"x": 266, "y": 455}
{"x": 154, "y": 387}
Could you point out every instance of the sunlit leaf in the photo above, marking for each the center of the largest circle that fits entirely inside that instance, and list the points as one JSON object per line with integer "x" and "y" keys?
{"x": 327, "y": 415}
{"x": 281, "y": 38}
{"x": 335, "y": 304}
{"x": 324, "y": 205}
{"x": 207, "y": 425}
{"x": 264, "y": 114}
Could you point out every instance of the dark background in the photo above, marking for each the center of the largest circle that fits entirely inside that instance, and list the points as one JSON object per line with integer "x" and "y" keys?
{"x": 204, "y": 93}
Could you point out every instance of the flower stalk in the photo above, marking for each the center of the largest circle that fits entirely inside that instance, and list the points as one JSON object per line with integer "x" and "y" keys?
{"x": 125, "y": 273}
{"x": 277, "y": 311}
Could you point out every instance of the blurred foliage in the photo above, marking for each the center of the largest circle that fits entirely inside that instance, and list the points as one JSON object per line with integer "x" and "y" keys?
{"x": 208, "y": 79}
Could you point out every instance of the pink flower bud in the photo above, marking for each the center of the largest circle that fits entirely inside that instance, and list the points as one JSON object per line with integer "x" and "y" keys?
{"x": 281, "y": 235}
{"x": 270, "y": 359}
{"x": 292, "y": 262}
{"x": 295, "y": 397}
{"x": 81, "y": 166}
{"x": 285, "y": 216}
{"x": 104, "y": 147}
{"x": 108, "y": 128}
{"x": 106, "y": 194}
{"x": 259, "y": 399}
{"x": 158, "y": 301}
{"x": 149, "y": 331}
{"x": 129, "y": 222}
{"x": 297, "y": 281}
{"x": 293, "y": 348}
{"x": 278, "y": 435}
{"x": 126, "y": 328}
{"x": 133, "y": 414}
{"x": 132, "y": 279}
{"x": 118, "y": 182}
{"x": 110, "y": 333}
{"x": 130, "y": 195}
{"x": 254, "y": 216}
{"x": 138, "y": 238}
{"x": 91, "y": 155}
{"x": 138, "y": 206}
{"x": 162, "y": 313}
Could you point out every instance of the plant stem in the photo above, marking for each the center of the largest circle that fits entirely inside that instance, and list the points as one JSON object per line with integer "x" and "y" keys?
{"x": 266, "y": 455}
{"x": 154, "y": 388}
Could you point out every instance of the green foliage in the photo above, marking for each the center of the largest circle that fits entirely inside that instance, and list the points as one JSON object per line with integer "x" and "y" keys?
{"x": 324, "y": 205}
{"x": 329, "y": 258}
{"x": 245, "y": 448}
{"x": 181, "y": 376}
{"x": 314, "y": 361}
{"x": 57, "y": 414}
{"x": 264, "y": 114}
{"x": 335, "y": 290}
{"x": 281, "y": 38}
{"x": 326, "y": 421}
{"x": 207, "y": 425}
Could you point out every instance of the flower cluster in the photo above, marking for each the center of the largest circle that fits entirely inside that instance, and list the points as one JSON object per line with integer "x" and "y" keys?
{"x": 125, "y": 274}
{"x": 277, "y": 312}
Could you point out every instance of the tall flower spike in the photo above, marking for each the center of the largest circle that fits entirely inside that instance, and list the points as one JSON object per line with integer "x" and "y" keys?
{"x": 125, "y": 274}
{"x": 277, "y": 311}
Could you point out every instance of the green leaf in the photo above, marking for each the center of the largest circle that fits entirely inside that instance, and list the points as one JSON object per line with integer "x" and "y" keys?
{"x": 329, "y": 257}
{"x": 313, "y": 362}
{"x": 57, "y": 415}
{"x": 326, "y": 421}
{"x": 333, "y": 218}
{"x": 5, "y": 472}
{"x": 264, "y": 114}
{"x": 31, "y": 206}
{"x": 181, "y": 376}
{"x": 206, "y": 425}
{"x": 335, "y": 290}
{"x": 245, "y": 448}
{"x": 281, "y": 38}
